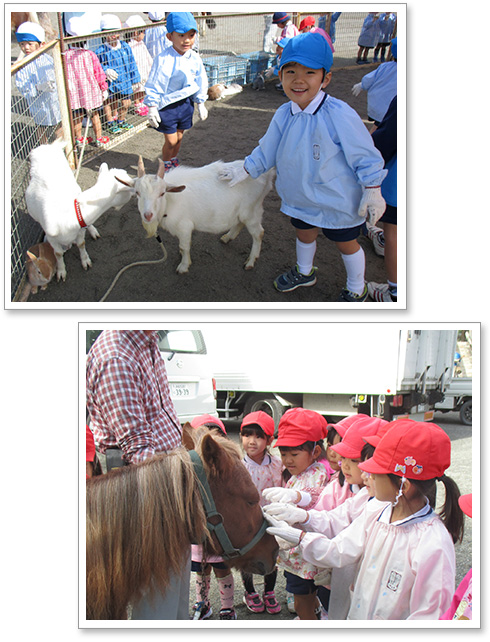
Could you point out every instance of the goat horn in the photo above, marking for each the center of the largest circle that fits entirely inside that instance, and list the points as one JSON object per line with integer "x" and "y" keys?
{"x": 141, "y": 167}
{"x": 161, "y": 168}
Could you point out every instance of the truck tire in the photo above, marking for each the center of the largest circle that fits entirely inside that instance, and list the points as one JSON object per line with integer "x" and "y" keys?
{"x": 465, "y": 413}
{"x": 266, "y": 403}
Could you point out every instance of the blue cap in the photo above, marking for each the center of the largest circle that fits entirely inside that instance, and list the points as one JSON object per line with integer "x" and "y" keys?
{"x": 30, "y": 32}
{"x": 283, "y": 42}
{"x": 280, "y": 16}
{"x": 181, "y": 22}
{"x": 309, "y": 49}
{"x": 393, "y": 48}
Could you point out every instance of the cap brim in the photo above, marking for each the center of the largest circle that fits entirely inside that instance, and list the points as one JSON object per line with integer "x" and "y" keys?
{"x": 370, "y": 466}
{"x": 346, "y": 451}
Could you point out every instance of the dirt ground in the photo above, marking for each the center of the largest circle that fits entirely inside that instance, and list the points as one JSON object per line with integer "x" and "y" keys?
{"x": 231, "y": 131}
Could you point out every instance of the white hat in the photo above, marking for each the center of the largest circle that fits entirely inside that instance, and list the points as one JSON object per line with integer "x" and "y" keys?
{"x": 156, "y": 15}
{"x": 30, "y": 32}
{"x": 110, "y": 21}
{"x": 81, "y": 26}
{"x": 135, "y": 21}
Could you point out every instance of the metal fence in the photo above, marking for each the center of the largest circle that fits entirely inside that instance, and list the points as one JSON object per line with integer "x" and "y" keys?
{"x": 233, "y": 47}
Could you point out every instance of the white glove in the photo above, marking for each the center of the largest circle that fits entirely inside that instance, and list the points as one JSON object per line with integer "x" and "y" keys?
{"x": 153, "y": 116}
{"x": 203, "y": 112}
{"x": 233, "y": 174}
{"x": 356, "y": 89}
{"x": 286, "y": 536}
{"x": 278, "y": 494}
{"x": 286, "y": 513}
{"x": 269, "y": 73}
{"x": 323, "y": 578}
{"x": 105, "y": 94}
{"x": 373, "y": 205}
{"x": 48, "y": 85}
{"x": 111, "y": 74}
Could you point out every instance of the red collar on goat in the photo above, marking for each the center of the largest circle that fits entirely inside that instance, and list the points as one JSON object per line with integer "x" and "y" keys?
{"x": 78, "y": 212}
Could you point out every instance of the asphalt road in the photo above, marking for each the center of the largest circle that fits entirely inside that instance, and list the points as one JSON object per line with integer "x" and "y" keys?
{"x": 460, "y": 470}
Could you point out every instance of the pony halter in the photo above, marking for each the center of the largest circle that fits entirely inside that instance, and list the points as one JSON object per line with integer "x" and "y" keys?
{"x": 229, "y": 551}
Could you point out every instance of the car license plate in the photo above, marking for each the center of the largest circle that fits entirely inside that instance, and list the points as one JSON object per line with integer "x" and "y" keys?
{"x": 180, "y": 390}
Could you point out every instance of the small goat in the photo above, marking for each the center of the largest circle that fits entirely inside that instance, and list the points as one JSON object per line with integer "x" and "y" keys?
{"x": 207, "y": 205}
{"x": 54, "y": 199}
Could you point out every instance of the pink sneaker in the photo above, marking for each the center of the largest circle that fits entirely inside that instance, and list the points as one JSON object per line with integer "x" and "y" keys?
{"x": 253, "y": 602}
{"x": 271, "y": 604}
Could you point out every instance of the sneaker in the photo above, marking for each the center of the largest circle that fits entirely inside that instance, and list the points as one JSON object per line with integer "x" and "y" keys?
{"x": 253, "y": 602}
{"x": 290, "y": 603}
{"x": 377, "y": 236}
{"x": 271, "y": 604}
{"x": 123, "y": 124}
{"x": 113, "y": 128}
{"x": 84, "y": 141}
{"x": 102, "y": 141}
{"x": 202, "y": 610}
{"x": 352, "y": 297}
{"x": 293, "y": 279}
{"x": 227, "y": 614}
{"x": 380, "y": 292}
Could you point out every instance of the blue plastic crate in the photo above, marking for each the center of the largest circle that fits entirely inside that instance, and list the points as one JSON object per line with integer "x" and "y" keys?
{"x": 257, "y": 61}
{"x": 225, "y": 69}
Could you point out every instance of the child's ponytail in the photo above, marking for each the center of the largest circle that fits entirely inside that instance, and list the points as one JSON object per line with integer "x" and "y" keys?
{"x": 451, "y": 514}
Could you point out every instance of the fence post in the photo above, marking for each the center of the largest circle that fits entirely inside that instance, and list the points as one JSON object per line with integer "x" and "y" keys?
{"x": 65, "y": 112}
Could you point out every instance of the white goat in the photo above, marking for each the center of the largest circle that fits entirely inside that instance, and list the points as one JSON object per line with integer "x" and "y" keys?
{"x": 207, "y": 205}
{"x": 54, "y": 199}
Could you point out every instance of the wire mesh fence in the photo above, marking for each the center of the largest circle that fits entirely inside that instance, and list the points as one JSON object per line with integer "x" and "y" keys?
{"x": 91, "y": 94}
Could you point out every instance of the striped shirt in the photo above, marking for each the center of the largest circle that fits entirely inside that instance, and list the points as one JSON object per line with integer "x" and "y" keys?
{"x": 128, "y": 396}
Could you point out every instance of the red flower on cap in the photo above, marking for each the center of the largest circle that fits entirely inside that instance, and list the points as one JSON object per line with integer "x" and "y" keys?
{"x": 262, "y": 419}
{"x": 412, "y": 449}
{"x": 205, "y": 420}
{"x": 353, "y": 441}
{"x": 299, "y": 425}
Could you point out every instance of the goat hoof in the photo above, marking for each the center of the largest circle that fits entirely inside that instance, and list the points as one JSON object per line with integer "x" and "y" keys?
{"x": 61, "y": 276}
{"x": 182, "y": 269}
{"x": 87, "y": 264}
{"x": 225, "y": 238}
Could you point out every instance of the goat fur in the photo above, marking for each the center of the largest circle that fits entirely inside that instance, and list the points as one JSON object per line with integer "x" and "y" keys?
{"x": 50, "y": 198}
{"x": 194, "y": 198}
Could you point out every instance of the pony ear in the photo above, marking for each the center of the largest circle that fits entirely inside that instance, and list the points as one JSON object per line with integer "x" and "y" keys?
{"x": 188, "y": 436}
{"x": 216, "y": 457}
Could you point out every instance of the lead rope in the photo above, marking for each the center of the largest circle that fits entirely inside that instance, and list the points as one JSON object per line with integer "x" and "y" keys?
{"x": 162, "y": 260}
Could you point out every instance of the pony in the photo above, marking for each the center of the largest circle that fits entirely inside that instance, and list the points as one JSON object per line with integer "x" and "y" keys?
{"x": 141, "y": 520}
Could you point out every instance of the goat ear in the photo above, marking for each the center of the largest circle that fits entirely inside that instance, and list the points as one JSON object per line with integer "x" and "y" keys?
{"x": 180, "y": 188}
{"x": 130, "y": 185}
{"x": 141, "y": 167}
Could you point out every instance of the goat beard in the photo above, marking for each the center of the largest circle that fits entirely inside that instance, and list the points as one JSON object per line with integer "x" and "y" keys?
{"x": 151, "y": 228}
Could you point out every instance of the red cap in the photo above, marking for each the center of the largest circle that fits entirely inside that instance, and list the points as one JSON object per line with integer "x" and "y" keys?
{"x": 466, "y": 504}
{"x": 411, "y": 449}
{"x": 203, "y": 420}
{"x": 309, "y": 21}
{"x": 298, "y": 425}
{"x": 90, "y": 445}
{"x": 353, "y": 441}
{"x": 346, "y": 422}
{"x": 375, "y": 439}
{"x": 260, "y": 418}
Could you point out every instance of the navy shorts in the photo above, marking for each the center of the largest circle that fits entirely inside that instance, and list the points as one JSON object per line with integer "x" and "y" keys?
{"x": 389, "y": 216}
{"x": 197, "y": 567}
{"x": 176, "y": 116}
{"x": 298, "y": 585}
{"x": 340, "y": 235}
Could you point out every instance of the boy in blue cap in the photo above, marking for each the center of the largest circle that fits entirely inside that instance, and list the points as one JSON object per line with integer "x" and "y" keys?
{"x": 177, "y": 80}
{"x": 328, "y": 170}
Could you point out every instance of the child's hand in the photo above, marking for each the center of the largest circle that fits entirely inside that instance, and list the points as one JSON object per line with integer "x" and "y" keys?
{"x": 203, "y": 112}
{"x": 281, "y": 495}
{"x": 233, "y": 174}
{"x": 111, "y": 74}
{"x": 287, "y": 513}
{"x": 153, "y": 116}
{"x": 356, "y": 89}
{"x": 48, "y": 85}
{"x": 285, "y": 535}
{"x": 372, "y": 205}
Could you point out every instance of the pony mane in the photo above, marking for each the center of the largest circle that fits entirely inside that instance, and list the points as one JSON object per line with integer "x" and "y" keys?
{"x": 141, "y": 520}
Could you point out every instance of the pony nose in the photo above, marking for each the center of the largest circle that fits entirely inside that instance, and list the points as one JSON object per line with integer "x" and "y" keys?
{"x": 148, "y": 216}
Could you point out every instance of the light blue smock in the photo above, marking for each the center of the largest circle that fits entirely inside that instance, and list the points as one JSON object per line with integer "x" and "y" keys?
{"x": 174, "y": 77}
{"x": 386, "y": 26}
{"x": 369, "y": 32}
{"x": 380, "y": 85}
{"x": 323, "y": 156}
{"x": 44, "y": 106}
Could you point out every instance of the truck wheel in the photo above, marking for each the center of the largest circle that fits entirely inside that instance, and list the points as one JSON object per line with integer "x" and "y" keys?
{"x": 270, "y": 405}
{"x": 465, "y": 413}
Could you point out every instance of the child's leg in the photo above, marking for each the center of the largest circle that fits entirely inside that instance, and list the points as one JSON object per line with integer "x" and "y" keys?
{"x": 248, "y": 581}
{"x": 97, "y": 127}
{"x": 390, "y": 231}
{"x": 306, "y": 249}
{"x": 226, "y": 584}
{"x": 172, "y": 144}
{"x": 77, "y": 126}
{"x": 203, "y": 583}
{"x": 305, "y": 606}
{"x": 271, "y": 604}
{"x": 251, "y": 597}
{"x": 355, "y": 264}
{"x": 125, "y": 104}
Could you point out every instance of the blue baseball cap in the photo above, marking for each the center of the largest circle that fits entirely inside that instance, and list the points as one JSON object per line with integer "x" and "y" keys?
{"x": 310, "y": 50}
{"x": 283, "y": 42}
{"x": 280, "y": 16}
{"x": 181, "y": 22}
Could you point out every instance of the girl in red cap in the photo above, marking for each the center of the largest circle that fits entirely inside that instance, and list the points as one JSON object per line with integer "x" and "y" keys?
{"x": 405, "y": 549}
{"x": 256, "y": 434}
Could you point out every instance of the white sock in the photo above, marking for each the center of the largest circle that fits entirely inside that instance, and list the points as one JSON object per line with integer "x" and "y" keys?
{"x": 355, "y": 265}
{"x": 305, "y": 253}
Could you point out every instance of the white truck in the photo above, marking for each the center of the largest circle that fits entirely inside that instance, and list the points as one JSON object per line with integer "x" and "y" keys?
{"x": 335, "y": 369}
